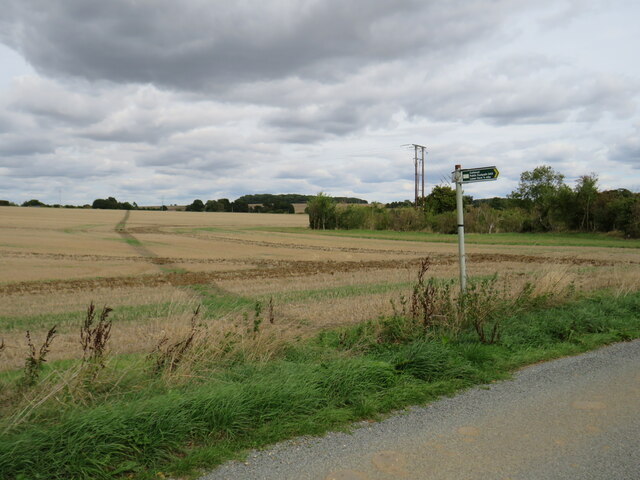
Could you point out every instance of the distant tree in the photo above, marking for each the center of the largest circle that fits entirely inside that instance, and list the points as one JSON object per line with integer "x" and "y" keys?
{"x": 106, "y": 204}
{"x": 615, "y": 210}
{"x": 225, "y": 204}
{"x": 349, "y": 200}
{"x": 34, "y": 203}
{"x": 586, "y": 193}
{"x": 212, "y": 206}
{"x": 196, "y": 206}
{"x": 6, "y": 203}
{"x": 497, "y": 203}
{"x": 538, "y": 183}
{"x": 239, "y": 205}
{"x": 402, "y": 204}
{"x": 321, "y": 210}
{"x": 539, "y": 191}
{"x": 441, "y": 199}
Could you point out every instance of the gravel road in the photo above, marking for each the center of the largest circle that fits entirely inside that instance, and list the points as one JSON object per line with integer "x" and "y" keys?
{"x": 573, "y": 418}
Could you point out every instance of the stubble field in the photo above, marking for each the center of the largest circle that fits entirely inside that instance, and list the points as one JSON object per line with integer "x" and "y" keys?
{"x": 155, "y": 268}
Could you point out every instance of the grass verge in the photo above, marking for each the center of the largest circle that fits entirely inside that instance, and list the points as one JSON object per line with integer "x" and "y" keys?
{"x": 156, "y": 427}
{"x": 538, "y": 239}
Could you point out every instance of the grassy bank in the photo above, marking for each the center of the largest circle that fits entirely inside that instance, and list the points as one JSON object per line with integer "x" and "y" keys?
{"x": 134, "y": 420}
{"x": 538, "y": 239}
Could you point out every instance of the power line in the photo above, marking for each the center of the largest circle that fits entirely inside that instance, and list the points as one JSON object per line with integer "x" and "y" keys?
{"x": 418, "y": 163}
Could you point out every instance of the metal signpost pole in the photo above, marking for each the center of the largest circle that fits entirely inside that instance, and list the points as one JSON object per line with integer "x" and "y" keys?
{"x": 460, "y": 176}
{"x": 457, "y": 176}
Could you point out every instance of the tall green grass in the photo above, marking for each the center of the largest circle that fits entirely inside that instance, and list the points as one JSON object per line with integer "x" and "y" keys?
{"x": 337, "y": 377}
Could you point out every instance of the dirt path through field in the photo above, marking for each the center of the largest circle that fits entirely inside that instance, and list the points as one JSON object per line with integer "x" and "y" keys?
{"x": 134, "y": 243}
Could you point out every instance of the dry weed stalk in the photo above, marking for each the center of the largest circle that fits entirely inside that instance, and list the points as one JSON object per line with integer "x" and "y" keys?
{"x": 33, "y": 363}
{"x": 437, "y": 305}
{"x": 422, "y": 297}
{"x": 257, "y": 320}
{"x": 272, "y": 317}
{"x": 168, "y": 356}
{"x": 94, "y": 336}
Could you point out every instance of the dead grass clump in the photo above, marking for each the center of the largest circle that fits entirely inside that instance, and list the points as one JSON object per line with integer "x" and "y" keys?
{"x": 554, "y": 281}
{"x": 622, "y": 280}
{"x": 205, "y": 347}
{"x": 167, "y": 355}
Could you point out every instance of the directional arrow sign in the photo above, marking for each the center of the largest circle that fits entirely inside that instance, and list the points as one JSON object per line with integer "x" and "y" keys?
{"x": 482, "y": 174}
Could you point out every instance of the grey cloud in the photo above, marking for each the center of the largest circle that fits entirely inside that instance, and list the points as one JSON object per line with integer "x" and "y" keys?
{"x": 7, "y": 122}
{"x": 198, "y": 45}
{"x": 627, "y": 151}
{"x": 259, "y": 96}
{"x": 314, "y": 122}
{"x": 531, "y": 89}
{"x": 54, "y": 165}
{"x": 49, "y": 99}
{"x": 13, "y": 145}
{"x": 505, "y": 93}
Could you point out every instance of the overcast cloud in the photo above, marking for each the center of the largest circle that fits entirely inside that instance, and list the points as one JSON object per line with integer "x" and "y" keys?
{"x": 145, "y": 100}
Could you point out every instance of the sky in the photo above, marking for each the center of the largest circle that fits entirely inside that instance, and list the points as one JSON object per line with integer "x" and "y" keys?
{"x": 156, "y": 101}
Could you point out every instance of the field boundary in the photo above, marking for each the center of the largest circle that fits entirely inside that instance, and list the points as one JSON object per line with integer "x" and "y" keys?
{"x": 530, "y": 239}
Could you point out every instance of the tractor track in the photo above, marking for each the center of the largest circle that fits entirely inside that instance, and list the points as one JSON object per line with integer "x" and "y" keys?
{"x": 264, "y": 269}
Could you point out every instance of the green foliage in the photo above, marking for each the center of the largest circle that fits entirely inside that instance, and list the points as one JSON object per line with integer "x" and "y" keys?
{"x": 618, "y": 210}
{"x": 441, "y": 199}
{"x": 402, "y": 204}
{"x": 196, "y": 206}
{"x": 541, "y": 203}
{"x": 538, "y": 185}
{"x": 586, "y": 194}
{"x": 268, "y": 198}
{"x": 112, "y": 204}
{"x": 322, "y": 212}
{"x": 282, "y": 203}
{"x": 432, "y": 361}
{"x": 539, "y": 191}
{"x": 408, "y": 219}
{"x": 34, "y": 203}
{"x": 213, "y": 206}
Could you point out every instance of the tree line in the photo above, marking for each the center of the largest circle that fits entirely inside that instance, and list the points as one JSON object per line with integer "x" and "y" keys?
{"x": 542, "y": 202}
{"x": 263, "y": 203}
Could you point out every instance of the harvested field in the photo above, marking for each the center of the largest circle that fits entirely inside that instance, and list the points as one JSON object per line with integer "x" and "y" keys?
{"x": 155, "y": 267}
